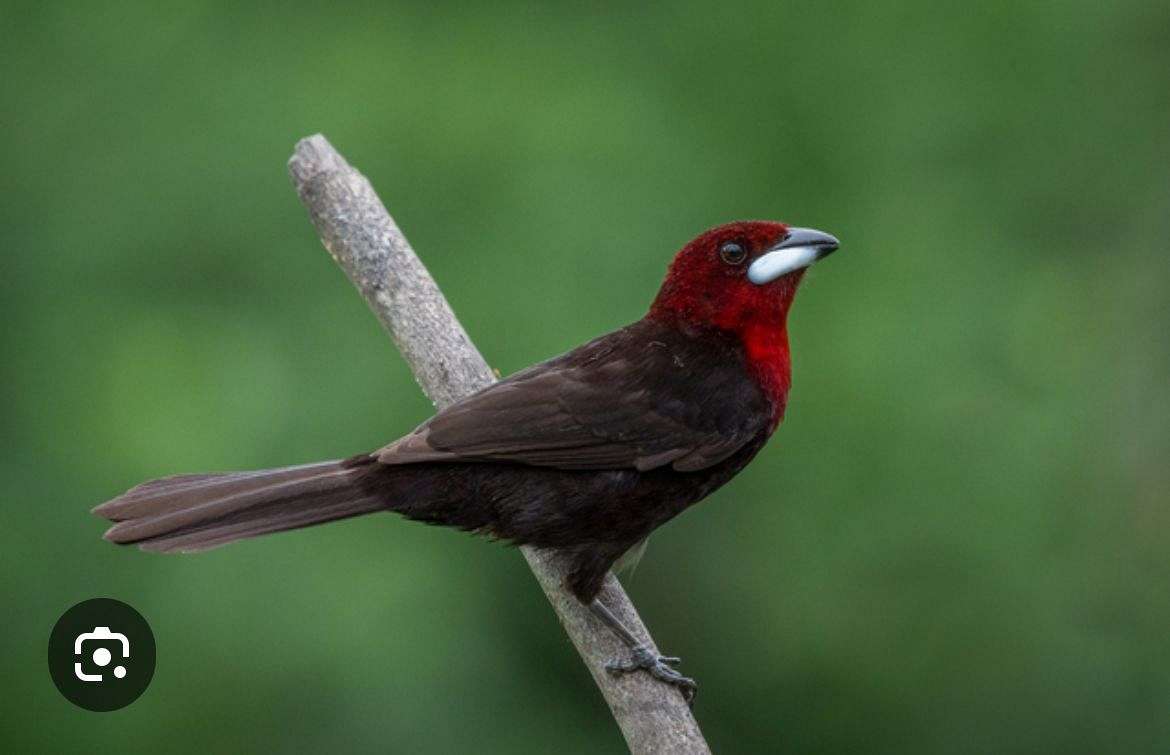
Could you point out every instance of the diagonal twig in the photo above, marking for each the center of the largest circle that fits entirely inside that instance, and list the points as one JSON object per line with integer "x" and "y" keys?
{"x": 366, "y": 242}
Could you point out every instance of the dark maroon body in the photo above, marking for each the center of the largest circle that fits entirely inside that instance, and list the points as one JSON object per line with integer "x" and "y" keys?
{"x": 701, "y": 387}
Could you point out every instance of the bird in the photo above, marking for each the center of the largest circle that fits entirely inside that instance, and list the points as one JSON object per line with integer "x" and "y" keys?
{"x": 586, "y": 453}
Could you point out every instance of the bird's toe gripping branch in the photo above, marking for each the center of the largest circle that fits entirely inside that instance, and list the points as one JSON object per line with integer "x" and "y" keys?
{"x": 643, "y": 658}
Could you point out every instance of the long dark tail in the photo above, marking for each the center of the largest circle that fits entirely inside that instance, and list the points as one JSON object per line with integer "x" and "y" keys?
{"x": 196, "y": 512}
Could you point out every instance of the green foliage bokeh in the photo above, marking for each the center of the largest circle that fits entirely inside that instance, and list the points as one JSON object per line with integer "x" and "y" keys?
{"x": 959, "y": 540}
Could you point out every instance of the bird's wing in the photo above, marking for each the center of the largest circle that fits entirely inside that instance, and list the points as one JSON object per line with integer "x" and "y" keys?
{"x": 641, "y": 397}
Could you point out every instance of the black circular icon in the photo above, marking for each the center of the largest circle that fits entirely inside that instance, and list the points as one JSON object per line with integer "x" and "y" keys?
{"x": 101, "y": 654}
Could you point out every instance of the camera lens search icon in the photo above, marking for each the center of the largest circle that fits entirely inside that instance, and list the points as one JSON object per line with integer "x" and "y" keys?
{"x": 101, "y": 654}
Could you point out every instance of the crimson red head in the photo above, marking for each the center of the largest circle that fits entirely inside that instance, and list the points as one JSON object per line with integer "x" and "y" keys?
{"x": 740, "y": 275}
{"x": 741, "y": 278}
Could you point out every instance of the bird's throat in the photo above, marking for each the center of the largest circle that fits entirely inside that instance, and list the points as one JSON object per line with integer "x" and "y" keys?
{"x": 766, "y": 348}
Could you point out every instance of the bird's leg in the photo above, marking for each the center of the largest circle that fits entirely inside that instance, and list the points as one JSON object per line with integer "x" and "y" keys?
{"x": 643, "y": 656}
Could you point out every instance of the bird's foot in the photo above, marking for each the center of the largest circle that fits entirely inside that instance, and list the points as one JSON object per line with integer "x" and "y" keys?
{"x": 643, "y": 658}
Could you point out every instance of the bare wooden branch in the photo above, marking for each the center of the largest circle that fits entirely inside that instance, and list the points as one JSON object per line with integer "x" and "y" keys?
{"x": 366, "y": 242}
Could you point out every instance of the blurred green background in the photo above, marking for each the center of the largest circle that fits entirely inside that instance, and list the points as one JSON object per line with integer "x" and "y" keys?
{"x": 958, "y": 542}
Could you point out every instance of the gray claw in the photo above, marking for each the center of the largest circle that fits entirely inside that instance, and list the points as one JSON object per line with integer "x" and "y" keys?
{"x": 659, "y": 667}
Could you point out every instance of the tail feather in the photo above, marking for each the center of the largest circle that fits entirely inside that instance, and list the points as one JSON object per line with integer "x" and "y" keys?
{"x": 197, "y": 512}
{"x": 180, "y": 491}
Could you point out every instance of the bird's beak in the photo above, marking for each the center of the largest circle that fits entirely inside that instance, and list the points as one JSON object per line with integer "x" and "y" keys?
{"x": 800, "y": 248}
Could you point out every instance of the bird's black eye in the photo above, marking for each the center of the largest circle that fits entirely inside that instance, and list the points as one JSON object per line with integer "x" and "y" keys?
{"x": 732, "y": 253}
